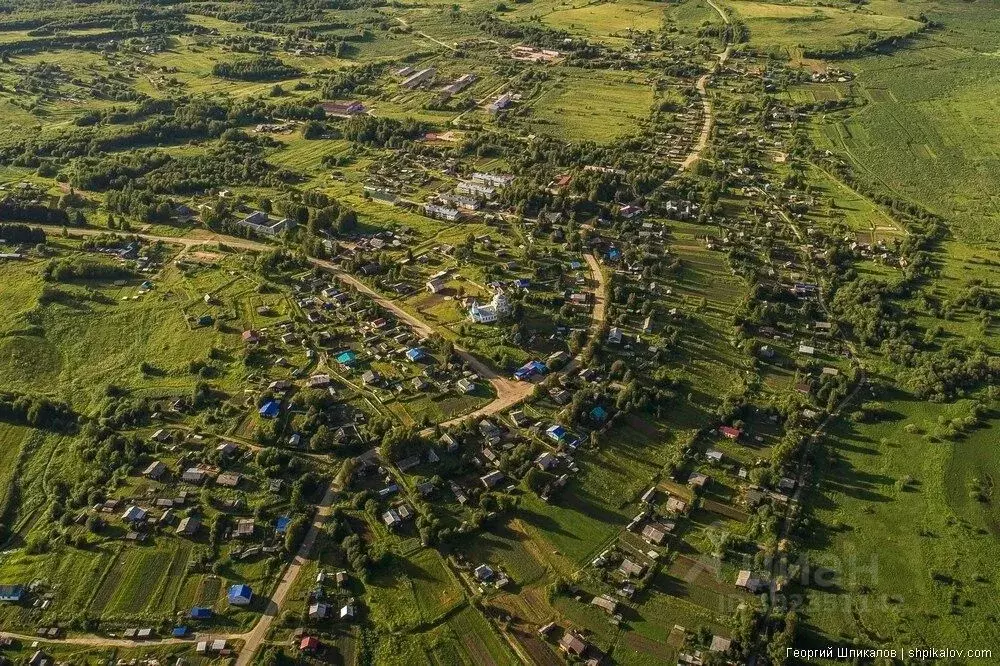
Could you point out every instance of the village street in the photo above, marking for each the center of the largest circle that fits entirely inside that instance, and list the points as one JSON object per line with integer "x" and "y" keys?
{"x": 509, "y": 393}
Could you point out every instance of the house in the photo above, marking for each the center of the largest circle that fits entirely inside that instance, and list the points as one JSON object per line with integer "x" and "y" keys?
{"x": 348, "y": 612}
{"x": 483, "y": 573}
{"x": 11, "y": 593}
{"x": 392, "y": 518}
{"x": 370, "y": 377}
{"x": 629, "y": 211}
{"x": 155, "y": 470}
{"x": 714, "y": 456}
{"x": 227, "y": 449}
{"x": 492, "y": 479}
{"x": 415, "y": 354}
{"x": 697, "y": 480}
{"x": 572, "y": 644}
{"x": 631, "y": 569}
{"x": 245, "y": 528}
{"x": 518, "y": 418}
{"x": 744, "y": 580}
{"x": 599, "y": 414}
{"x": 435, "y": 286}
{"x": 546, "y": 461}
{"x": 605, "y": 602}
{"x": 720, "y": 644}
{"x": 615, "y": 336}
{"x": 188, "y": 526}
{"x": 529, "y": 370}
{"x": 318, "y": 611}
{"x": 193, "y": 475}
{"x": 229, "y": 479}
{"x": 556, "y": 433}
{"x": 449, "y": 442}
{"x": 465, "y": 386}
{"x": 656, "y": 533}
{"x": 730, "y": 432}
{"x": 239, "y": 595}
{"x": 318, "y": 381}
{"x": 160, "y": 435}
{"x": 676, "y": 505}
{"x": 270, "y": 409}
{"x": 134, "y": 514}
{"x": 807, "y": 350}
{"x": 251, "y": 337}
{"x": 309, "y": 644}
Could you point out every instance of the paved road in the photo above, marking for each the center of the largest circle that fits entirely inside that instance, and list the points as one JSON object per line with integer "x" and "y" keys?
{"x": 702, "y": 86}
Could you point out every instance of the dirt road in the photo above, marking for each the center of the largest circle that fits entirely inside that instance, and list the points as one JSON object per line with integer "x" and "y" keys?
{"x": 702, "y": 86}
{"x": 509, "y": 393}
{"x": 256, "y": 636}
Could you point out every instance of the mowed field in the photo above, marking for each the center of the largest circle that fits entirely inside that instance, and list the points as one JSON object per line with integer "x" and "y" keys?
{"x": 607, "y": 21}
{"x": 907, "y": 523}
{"x": 592, "y": 105}
{"x": 794, "y": 26}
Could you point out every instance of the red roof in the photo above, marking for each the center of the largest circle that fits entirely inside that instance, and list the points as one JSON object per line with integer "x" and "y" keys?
{"x": 309, "y": 643}
{"x": 730, "y": 432}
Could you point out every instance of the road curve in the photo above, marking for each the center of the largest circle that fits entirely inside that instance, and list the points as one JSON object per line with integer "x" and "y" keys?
{"x": 702, "y": 86}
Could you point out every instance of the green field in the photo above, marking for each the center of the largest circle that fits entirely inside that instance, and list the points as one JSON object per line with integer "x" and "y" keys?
{"x": 898, "y": 526}
{"x": 592, "y": 107}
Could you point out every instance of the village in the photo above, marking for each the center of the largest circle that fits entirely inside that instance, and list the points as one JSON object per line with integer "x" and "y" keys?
{"x": 428, "y": 335}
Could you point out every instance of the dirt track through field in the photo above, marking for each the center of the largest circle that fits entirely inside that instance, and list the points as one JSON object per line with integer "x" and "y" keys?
{"x": 702, "y": 86}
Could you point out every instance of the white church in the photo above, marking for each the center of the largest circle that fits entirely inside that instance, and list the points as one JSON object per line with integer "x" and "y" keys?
{"x": 498, "y": 308}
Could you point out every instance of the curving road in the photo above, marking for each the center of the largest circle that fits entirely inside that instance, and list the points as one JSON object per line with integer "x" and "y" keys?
{"x": 702, "y": 86}
{"x": 509, "y": 393}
